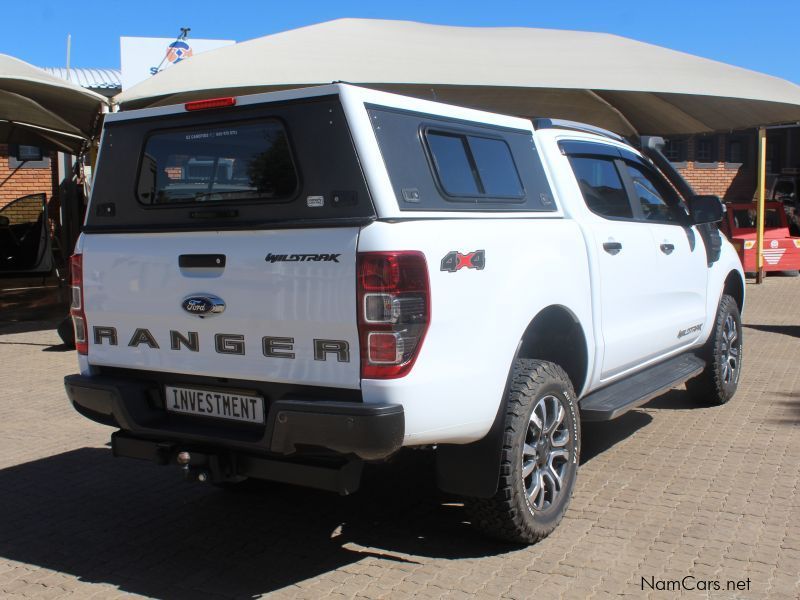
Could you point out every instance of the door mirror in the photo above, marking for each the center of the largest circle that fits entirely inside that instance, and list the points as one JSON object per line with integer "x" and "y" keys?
{"x": 705, "y": 209}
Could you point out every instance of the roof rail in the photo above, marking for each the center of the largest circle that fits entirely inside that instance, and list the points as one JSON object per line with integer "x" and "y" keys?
{"x": 575, "y": 126}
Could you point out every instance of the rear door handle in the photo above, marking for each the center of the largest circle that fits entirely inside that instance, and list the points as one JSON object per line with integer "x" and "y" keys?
{"x": 199, "y": 261}
{"x": 667, "y": 248}
{"x": 612, "y": 247}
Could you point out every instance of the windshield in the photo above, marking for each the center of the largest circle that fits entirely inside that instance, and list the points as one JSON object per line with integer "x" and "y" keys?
{"x": 231, "y": 162}
{"x": 746, "y": 218}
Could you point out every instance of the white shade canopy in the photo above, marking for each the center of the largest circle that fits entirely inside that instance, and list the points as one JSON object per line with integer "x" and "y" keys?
{"x": 40, "y": 109}
{"x": 614, "y": 82}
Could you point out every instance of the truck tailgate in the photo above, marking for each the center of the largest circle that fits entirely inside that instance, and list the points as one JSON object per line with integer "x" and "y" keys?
{"x": 289, "y": 303}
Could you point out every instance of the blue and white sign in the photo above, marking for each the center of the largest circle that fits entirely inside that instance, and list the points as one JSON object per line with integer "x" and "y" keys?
{"x": 141, "y": 57}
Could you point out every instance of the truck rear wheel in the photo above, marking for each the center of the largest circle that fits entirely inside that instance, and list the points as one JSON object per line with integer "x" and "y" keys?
{"x": 539, "y": 459}
{"x": 718, "y": 382}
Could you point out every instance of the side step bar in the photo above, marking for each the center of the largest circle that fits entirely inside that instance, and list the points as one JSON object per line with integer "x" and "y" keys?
{"x": 621, "y": 396}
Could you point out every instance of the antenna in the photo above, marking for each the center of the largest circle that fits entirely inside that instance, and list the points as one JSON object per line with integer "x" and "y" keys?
{"x": 69, "y": 49}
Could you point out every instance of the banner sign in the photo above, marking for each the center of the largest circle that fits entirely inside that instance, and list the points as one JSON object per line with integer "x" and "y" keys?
{"x": 141, "y": 57}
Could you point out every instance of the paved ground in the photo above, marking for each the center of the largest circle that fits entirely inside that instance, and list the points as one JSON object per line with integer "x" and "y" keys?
{"x": 668, "y": 491}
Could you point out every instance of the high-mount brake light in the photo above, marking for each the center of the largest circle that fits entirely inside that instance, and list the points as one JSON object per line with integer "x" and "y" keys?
{"x": 394, "y": 311}
{"x": 210, "y": 103}
{"x": 76, "y": 309}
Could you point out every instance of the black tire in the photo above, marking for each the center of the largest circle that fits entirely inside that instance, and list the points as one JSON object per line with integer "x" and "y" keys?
{"x": 511, "y": 514}
{"x": 67, "y": 332}
{"x": 718, "y": 382}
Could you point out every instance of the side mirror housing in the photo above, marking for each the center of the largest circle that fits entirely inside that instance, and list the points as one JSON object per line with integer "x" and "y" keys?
{"x": 706, "y": 209}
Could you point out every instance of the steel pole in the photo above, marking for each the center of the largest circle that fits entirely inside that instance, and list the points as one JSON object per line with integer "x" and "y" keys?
{"x": 762, "y": 192}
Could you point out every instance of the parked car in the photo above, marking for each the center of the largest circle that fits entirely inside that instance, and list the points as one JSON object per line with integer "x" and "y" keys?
{"x": 782, "y": 188}
{"x": 25, "y": 238}
{"x": 781, "y": 249}
{"x": 390, "y": 273}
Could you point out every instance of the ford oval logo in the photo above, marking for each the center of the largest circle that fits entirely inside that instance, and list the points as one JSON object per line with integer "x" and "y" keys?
{"x": 203, "y": 306}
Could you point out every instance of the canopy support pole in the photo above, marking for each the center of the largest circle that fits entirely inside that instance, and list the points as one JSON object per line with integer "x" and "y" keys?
{"x": 613, "y": 108}
{"x": 762, "y": 192}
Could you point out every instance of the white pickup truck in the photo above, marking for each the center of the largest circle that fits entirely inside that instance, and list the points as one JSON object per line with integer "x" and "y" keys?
{"x": 286, "y": 285}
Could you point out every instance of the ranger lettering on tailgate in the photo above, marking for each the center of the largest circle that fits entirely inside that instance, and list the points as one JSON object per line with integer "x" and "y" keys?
{"x": 227, "y": 343}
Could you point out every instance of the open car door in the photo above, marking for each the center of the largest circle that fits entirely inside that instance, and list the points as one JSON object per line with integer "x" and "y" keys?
{"x": 25, "y": 246}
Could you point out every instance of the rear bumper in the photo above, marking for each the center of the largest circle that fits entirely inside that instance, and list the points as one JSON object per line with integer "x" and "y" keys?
{"x": 293, "y": 426}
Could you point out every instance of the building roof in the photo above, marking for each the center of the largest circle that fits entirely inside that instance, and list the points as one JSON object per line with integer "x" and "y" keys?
{"x": 93, "y": 79}
{"x": 606, "y": 80}
{"x": 40, "y": 109}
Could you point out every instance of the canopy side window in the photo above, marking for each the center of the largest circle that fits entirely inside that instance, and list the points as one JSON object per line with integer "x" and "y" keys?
{"x": 471, "y": 166}
{"x": 438, "y": 163}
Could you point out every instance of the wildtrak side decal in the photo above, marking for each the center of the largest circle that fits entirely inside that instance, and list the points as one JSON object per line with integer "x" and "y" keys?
{"x": 688, "y": 330}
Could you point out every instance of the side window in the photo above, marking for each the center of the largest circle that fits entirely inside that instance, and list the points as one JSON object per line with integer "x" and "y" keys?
{"x": 453, "y": 164}
{"x": 496, "y": 167}
{"x": 601, "y": 186}
{"x": 657, "y": 201}
{"x": 470, "y": 166}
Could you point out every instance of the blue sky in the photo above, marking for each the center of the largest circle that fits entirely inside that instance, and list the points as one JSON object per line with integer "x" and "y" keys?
{"x": 759, "y": 35}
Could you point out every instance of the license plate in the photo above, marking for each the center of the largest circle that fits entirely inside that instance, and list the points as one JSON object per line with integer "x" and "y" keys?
{"x": 215, "y": 403}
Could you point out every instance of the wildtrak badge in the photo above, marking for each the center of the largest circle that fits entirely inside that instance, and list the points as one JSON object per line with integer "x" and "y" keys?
{"x": 273, "y": 258}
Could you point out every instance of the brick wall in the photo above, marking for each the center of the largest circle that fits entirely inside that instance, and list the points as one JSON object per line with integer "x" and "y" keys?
{"x": 733, "y": 182}
{"x": 23, "y": 181}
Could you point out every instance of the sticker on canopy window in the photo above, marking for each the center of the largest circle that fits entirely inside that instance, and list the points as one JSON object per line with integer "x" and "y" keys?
{"x": 216, "y": 133}
{"x": 315, "y": 201}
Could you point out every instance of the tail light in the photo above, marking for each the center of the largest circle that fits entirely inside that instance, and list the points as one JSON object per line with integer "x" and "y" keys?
{"x": 76, "y": 309}
{"x": 394, "y": 311}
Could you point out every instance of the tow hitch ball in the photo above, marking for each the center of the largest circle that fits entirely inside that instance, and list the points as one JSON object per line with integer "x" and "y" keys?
{"x": 191, "y": 473}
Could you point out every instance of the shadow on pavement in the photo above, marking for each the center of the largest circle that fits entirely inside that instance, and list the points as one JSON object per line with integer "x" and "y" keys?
{"x": 143, "y": 529}
{"x": 791, "y": 409}
{"x": 790, "y": 330}
{"x": 678, "y": 399}
{"x": 58, "y": 348}
{"x": 597, "y": 437}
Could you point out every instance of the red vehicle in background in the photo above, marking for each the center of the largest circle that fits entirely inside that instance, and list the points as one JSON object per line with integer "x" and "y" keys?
{"x": 781, "y": 250}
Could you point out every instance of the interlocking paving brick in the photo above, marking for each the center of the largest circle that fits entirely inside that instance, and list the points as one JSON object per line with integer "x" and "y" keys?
{"x": 669, "y": 490}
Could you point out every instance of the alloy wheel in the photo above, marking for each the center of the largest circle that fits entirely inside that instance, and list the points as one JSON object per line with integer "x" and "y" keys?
{"x": 545, "y": 453}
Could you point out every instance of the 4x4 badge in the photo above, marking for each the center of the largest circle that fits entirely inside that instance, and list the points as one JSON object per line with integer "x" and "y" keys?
{"x": 453, "y": 261}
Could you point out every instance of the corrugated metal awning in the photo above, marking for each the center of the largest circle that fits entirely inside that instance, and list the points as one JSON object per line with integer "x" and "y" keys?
{"x": 94, "y": 79}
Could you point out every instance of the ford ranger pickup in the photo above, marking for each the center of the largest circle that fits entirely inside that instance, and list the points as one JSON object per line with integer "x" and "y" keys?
{"x": 285, "y": 286}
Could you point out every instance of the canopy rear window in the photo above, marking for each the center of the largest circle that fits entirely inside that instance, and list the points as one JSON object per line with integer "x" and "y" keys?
{"x": 231, "y": 162}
